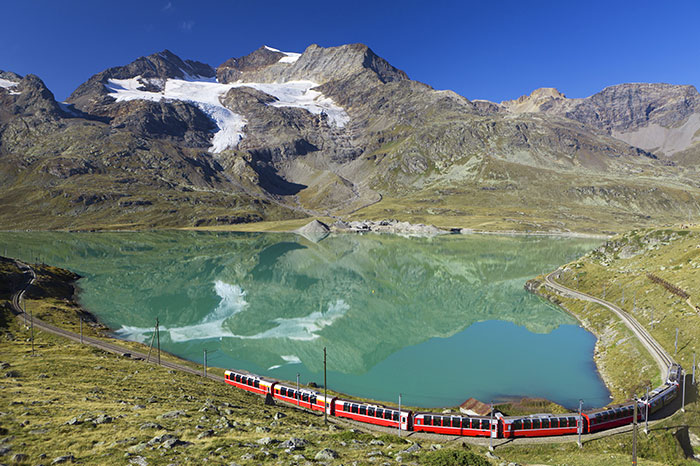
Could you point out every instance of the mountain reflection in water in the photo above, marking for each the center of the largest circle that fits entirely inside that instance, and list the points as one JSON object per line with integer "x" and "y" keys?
{"x": 270, "y": 303}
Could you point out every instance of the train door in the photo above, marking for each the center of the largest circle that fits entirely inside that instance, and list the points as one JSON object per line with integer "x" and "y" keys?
{"x": 494, "y": 428}
{"x": 404, "y": 421}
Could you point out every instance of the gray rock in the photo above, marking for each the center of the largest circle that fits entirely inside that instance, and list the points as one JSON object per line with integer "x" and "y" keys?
{"x": 262, "y": 430}
{"x": 19, "y": 457}
{"x": 63, "y": 459}
{"x": 174, "y": 442}
{"x": 138, "y": 460}
{"x": 279, "y": 415}
{"x": 205, "y": 434}
{"x": 376, "y": 442}
{"x": 160, "y": 439}
{"x": 294, "y": 443}
{"x": 375, "y": 453}
{"x": 326, "y": 454}
{"x": 412, "y": 449}
{"x": 265, "y": 441}
{"x": 103, "y": 419}
{"x": 5, "y": 450}
{"x": 150, "y": 425}
{"x": 172, "y": 415}
{"x": 74, "y": 422}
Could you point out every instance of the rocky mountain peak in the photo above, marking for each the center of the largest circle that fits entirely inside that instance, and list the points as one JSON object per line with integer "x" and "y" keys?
{"x": 534, "y": 102}
{"x": 316, "y": 63}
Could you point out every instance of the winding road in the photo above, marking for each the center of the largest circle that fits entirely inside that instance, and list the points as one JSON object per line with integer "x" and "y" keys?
{"x": 662, "y": 358}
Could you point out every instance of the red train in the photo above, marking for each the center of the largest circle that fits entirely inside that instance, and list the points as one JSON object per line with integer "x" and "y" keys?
{"x": 498, "y": 426}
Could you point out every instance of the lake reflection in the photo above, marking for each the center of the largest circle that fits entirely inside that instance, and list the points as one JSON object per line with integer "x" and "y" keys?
{"x": 387, "y": 308}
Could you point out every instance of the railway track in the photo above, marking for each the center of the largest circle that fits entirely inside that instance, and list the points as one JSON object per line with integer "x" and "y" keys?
{"x": 97, "y": 343}
{"x": 662, "y": 358}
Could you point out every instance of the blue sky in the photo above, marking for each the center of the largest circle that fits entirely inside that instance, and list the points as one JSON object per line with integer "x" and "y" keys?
{"x": 492, "y": 50}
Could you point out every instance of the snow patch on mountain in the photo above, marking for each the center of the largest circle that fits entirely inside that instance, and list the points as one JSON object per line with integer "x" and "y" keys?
{"x": 290, "y": 57}
{"x": 205, "y": 93}
{"x": 7, "y": 84}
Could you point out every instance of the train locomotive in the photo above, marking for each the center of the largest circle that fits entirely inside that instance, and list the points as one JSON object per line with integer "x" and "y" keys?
{"x": 496, "y": 426}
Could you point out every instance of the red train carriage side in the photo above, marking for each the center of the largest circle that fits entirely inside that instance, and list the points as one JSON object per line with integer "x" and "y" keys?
{"x": 305, "y": 398}
{"x": 249, "y": 382}
{"x": 373, "y": 414}
{"x": 472, "y": 426}
{"x": 541, "y": 425}
{"x": 612, "y": 416}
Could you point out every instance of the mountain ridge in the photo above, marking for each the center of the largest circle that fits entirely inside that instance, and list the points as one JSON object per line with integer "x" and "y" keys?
{"x": 340, "y": 131}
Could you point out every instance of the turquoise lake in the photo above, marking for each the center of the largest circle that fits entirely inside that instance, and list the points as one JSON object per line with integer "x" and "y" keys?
{"x": 438, "y": 320}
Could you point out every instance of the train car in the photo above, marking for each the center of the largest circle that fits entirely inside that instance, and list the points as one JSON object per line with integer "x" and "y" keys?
{"x": 661, "y": 396}
{"x": 455, "y": 424}
{"x": 303, "y": 397}
{"x": 675, "y": 374}
{"x": 612, "y": 416}
{"x": 250, "y": 382}
{"x": 373, "y": 414}
{"x": 542, "y": 425}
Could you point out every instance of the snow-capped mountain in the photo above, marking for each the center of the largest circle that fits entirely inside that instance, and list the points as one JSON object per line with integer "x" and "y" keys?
{"x": 165, "y": 141}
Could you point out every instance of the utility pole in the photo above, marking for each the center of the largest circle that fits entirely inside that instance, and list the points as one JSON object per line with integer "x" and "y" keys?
{"x": 579, "y": 424}
{"x": 32, "y": 318}
{"x": 491, "y": 429}
{"x": 683, "y": 398}
{"x": 399, "y": 414}
{"x": 150, "y": 347}
{"x": 646, "y": 414}
{"x": 634, "y": 435}
{"x": 603, "y": 291}
{"x": 205, "y": 362}
{"x": 325, "y": 412}
{"x": 158, "y": 338}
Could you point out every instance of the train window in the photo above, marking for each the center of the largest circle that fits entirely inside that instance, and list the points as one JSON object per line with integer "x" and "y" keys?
{"x": 370, "y": 411}
{"x": 465, "y": 423}
{"x": 387, "y": 414}
{"x": 428, "y": 420}
{"x": 305, "y": 397}
{"x": 380, "y": 413}
{"x": 283, "y": 391}
{"x": 395, "y": 415}
{"x": 363, "y": 410}
{"x": 238, "y": 377}
{"x": 517, "y": 425}
{"x": 572, "y": 422}
{"x": 257, "y": 384}
{"x": 356, "y": 409}
{"x": 554, "y": 423}
{"x": 527, "y": 424}
{"x": 485, "y": 424}
{"x": 535, "y": 423}
{"x": 456, "y": 422}
{"x": 313, "y": 399}
{"x": 563, "y": 422}
{"x": 545, "y": 423}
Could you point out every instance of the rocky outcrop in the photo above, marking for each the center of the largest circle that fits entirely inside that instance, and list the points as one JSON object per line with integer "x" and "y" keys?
{"x": 317, "y": 64}
{"x": 656, "y": 117}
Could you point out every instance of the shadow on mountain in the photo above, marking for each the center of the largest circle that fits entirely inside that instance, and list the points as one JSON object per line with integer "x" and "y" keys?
{"x": 271, "y": 182}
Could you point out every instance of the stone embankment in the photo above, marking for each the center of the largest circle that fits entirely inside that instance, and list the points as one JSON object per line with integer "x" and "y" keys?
{"x": 387, "y": 226}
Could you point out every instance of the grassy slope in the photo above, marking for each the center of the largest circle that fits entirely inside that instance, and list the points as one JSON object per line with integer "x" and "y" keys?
{"x": 622, "y": 263}
{"x": 70, "y": 381}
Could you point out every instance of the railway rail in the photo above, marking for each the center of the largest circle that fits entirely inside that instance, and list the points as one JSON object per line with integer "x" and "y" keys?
{"x": 662, "y": 358}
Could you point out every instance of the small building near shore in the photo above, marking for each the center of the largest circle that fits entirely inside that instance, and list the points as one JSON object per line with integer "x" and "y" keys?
{"x": 474, "y": 407}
